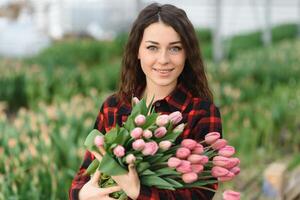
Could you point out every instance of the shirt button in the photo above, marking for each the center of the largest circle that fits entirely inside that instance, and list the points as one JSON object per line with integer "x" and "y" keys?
{"x": 157, "y": 104}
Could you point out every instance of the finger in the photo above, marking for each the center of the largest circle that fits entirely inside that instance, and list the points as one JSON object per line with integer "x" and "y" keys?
{"x": 112, "y": 189}
{"x": 96, "y": 176}
{"x": 97, "y": 155}
{"x": 131, "y": 169}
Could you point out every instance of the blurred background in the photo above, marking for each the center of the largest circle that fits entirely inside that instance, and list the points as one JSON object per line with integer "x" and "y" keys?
{"x": 59, "y": 59}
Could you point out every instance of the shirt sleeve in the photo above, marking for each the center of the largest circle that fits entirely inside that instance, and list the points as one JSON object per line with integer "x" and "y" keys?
{"x": 208, "y": 122}
{"x": 80, "y": 179}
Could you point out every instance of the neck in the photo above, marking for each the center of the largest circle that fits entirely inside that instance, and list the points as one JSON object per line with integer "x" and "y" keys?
{"x": 157, "y": 92}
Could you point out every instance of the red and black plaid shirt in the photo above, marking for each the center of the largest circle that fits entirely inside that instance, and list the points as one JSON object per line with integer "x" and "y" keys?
{"x": 200, "y": 115}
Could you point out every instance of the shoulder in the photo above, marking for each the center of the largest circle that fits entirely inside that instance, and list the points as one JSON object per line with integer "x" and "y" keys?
{"x": 113, "y": 104}
{"x": 203, "y": 106}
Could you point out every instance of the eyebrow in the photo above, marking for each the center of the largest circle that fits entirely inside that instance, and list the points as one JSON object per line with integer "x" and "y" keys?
{"x": 171, "y": 43}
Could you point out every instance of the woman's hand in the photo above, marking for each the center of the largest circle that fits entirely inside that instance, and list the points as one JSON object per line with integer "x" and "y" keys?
{"x": 130, "y": 182}
{"x": 91, "y": 190}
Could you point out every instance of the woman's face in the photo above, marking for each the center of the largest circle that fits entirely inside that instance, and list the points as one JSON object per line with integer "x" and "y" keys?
{"x": 161, "y": 55}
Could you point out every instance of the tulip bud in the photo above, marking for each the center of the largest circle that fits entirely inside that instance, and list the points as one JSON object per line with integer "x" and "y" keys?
{"x": 182, "y": 153}
{"x": 135, "y": 100}
{"x": 160, "y": 132}
{"x": 217, "y": 171}
{"x": 147, "y": 134}
{"x": 119, "y": 151}
{"x": 150, "y": 148}
{"x": 189, "y": 177}
{"x": 221, "y": 161}
{"x": 136, "y": 133}
{"x": 184, "y": 167}
{"x": 179, "y": 128}
{"x": 162, "y": 120}
{"x": 189, "y": 143}
{"x": 138, "y": 145}
{"x": 140, "y": 120}
{"x": 194, "y": 158}
{"x": 235, "y": 170}
{"x": 226, "y": 151}
{"x": 212, "y": 137}
{"x": 175, "y": 117}
{"x": 99, "y": 141}
{"x": 233, "y": 162}
{"x": 130, "y": 158}
{"x": 174, "y": 162}
{"x": 231, "y": 195}
{"x": 197, "y": 168}
{"x": 227, "y": 177}
{"x": 198, "y": 149}
{"x": 165, "y": 145}
{"x": 220, "y": 143}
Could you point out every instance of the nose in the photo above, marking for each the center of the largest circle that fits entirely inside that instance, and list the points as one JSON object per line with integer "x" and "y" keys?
{"x": 163, "y": 57}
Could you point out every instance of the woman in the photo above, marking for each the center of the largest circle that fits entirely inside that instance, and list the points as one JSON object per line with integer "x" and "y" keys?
{"x": 161, "y": 59}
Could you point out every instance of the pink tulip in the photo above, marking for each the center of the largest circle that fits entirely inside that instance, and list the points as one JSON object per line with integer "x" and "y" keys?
{"x": 99, "y": 141}
{"x": 212, "y": 137}
{"x": 189, "y": 143}
{"x": 174, "y": 162}
{"x": 160, "y": 132}
{"x": 175, "y": 117}
{"x": 179, "y": 128}
{"x": 226, "y": 151}
{"x": 235, "y": 170}
{"x": 165, "y": 145}
{"x": 221, "y": 161}
{"x": 138, "y": 145}
{"x": 195, "y": 159}
{"x": 204, "y": 160}
{"x": 140, "y": 120}
{"x": 162, "y": 120}
{"x": 147, "y": 134}
{"x": 227, "y": 177}
{"x": 198, "y": 149}
{"x": 189, "y": 177}
{"x": 219, "y": 144}
{"x": 217, "y": 171}
{"x": 231, "y": 195}
{"x": 150, "y": 148}
{"x": 197, "y": 168}
{"x": 135, "y": 100}
{"x": 119, "y": 151}
{"x": 136, "y": 133}
{"x": 183, "y": 152}
{"x": 184, "y": 167}
{"x": 233, "y": 162}
{"x": 130, "y": 158}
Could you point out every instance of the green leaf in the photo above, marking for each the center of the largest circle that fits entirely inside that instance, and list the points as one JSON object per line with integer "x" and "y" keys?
{"x": 123, "y": 136}
{"x": 170, "y": 136}
{"x": 199, "y": 183}
{"x": 92, "y": 167}
{"x": 142, "y": 166}
{"x": 152, "y": 159}
{"x": 147, "y": 172}
{"x": 175, "y": 184}
{"x": 150, "y": 120}
{"x": 111, "y": 136}
{"x": 164, "y": 158}
{"x": 166, "y": 171}
{"x": 153, "y": 180}
{"x": 129, "y": 124}
{"x": 111, "y": 167}
{"x": 89, "y": 141}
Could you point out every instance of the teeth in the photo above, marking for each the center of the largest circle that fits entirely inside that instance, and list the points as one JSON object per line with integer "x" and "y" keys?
{"x": 163, "y": 70}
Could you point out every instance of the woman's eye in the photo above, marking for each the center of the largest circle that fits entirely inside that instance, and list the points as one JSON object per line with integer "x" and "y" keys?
{"x": 152, "y": 48}
{"x": 175, "y": 49}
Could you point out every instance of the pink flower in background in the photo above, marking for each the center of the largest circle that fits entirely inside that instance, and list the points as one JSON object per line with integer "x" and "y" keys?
{"x": 184, "y": 167}
{"x": 175, "y": 117}
{"x": 189, "y": 177}
{"x": 130, "y": 158}
{"x": 227, "y": 151}
{"x": 165, "y": 145}
{"x": 198, "y": 149}
{"x": 189, "y": 143}
{"x": 212, "y": 137}
{"x": 219, "y": 144}
{"x": 197, "y": 168}
{"x": 183, "y": 152}
{"x": 150, "y": 148}
{"x": 119, "y": 151}
{"x": 235, "y": 170}
{"x": 174, "y": 162}
{"x": 227, "y": 177}
{"x": 147, "y": 134}
{"x": 179, "y": 128}
{"x": 136, "y": 133}
{"x": 138, "y": 145}
{"x": 99, "y": 140}
{"x": 221, "y": 161}
{"x": 217, "y": 171}
{"x": 233, "y": 162}
{"x": 140, "y": 120}
{"x": 160, "y": 132}
{"x": 162, "y": 120}
{"x": 231, "y": 195}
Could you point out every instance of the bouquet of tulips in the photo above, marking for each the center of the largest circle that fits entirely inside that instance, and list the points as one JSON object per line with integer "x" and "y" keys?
{"x": 147, "y": 139}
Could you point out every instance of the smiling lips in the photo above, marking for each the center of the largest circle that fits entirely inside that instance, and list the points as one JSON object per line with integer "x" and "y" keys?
{"x": 163, "y": 71}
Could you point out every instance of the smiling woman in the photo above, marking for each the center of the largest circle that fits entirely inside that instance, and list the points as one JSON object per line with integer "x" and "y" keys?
{"x": 162, "y": 59}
